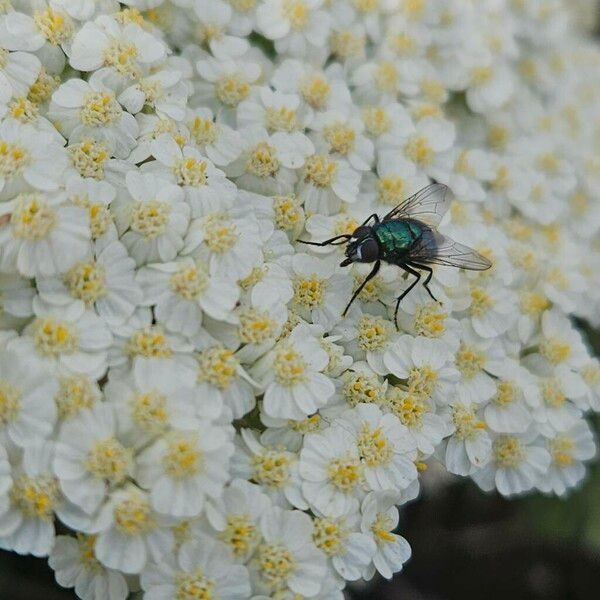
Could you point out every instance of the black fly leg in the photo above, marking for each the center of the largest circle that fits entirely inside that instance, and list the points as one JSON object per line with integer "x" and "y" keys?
{"x": 370, "y": 276}
{"x": 410, "y": 270}
{"x": 374, "y": 216}
{"x": 427, "y": 279}
{"x": 338, "y": 240}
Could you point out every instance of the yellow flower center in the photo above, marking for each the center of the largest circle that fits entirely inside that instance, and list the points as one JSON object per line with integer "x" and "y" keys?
{"x": 361, "y": 388}
{"x": 231, "y": 90}
{"x": 133, "y": 515}
{"x": 591, "y": 374}
{"x": 100, "y": 109}
{"x": 481, "y": 301}
{"x": 88, "y": 158}
{"x": 194, "y": 586}
{"x": 281, "y": 119}
{"x": 74, "y": 394}
{"x": 33, "y": 218}
{"x": 419, "y": 150}
{"x": 36, "y": 496}
{"x": 288, "y": 212}
{"x": 561, "y": 449}
{"x": 240, "y": 534}
{"x": 466, "y": 422}
{"x": 386, "y": 77}
{"x": 534, "y": 303}
{"x": 374, "y": 448}
{"x": 109, "y": 459}
{"x": 502, "y": 180}
{"x": 218, "y": 366}
{"x": 372, "y": 290}
{"x": 433, "y": 90}
{"x": 86, "y": 282}
{"x": 422, "y": 381}
{"x": 373, "y": 332}
{"x": 481, "y": 75}
{"x": 191, "y": 172}
{"x": 345, "y": 473}
{"x": 320, "y": 170}
{"x": 309, "y": 292}
{"x": 183, "y": 457}
{"x": 271, "y": 468}
{"x": 243, "y": 5}
{"x": 263, "y": 161}
{"x": 122, "y": 56}
{"x": 391, "y": 190}
{"x": 347, "y": 43}
{"x": 13, "y": 159}
{"x": 469, "y": 361}
{"x": 203, "y": 131}
{"x": 376, "y": 120}
{"x": 497, "y": 137}
{"x": 580, "y": 203}
{"x": 56, "y": 27}
{"x": 315, "y": 91}
{"x": 276, "y": 563}
{"x": 220, "y": 233}
{"x": 150, "y": 219}
{"x": 340, "y": 137}
{"x": 309, "y": 425}
{"x": 289, "y": 366}
{"x": 87, "y": 554}
{"x": 256, "y": 326}
{"x": 429, "y": 320}
{"x": 149, "y": 411}
{"x": 24, "y": 110}
{"x": 463, "y": 166}
{"x": 381, "y": 528}
{"x": 149, "y": 342}
{"x": 53, "y": 337}
{"x": 554, "y": 350}
{"x": 506, "y": 393}
{"x": 190, "y": 281}
{"x": 329, "y": 536}
{"x": 508, "y": 451}
{"x": 43, "y": 87}
{"x": 549, "y": 163}
{"x": 552, "y": 393}
{"x": 297, "y": 13}
{"x": 10, "y": 397}
{"x": 409, "y": 408}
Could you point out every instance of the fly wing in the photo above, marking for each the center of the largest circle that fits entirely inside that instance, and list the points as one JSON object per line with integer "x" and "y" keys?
{"x": 428, "y": 205}
{"x": 436, "y": 249}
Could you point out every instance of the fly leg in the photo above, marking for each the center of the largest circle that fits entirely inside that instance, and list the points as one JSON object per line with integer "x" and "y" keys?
{"x": 412, "y": 271}
{"x": 374, "y": 216}
{"x": 370, "y": 276}
{"x": 427, "y": 279}
{"x": 338, "y": 240}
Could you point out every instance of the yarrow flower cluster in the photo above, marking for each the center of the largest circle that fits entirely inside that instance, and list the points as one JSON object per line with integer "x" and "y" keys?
{"x": 183, "y": 408}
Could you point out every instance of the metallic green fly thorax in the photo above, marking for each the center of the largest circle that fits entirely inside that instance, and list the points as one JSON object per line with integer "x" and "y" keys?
{"x": 396, "y": 237}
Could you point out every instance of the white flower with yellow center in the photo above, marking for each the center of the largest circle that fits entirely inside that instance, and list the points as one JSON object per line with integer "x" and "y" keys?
{"x": 75, "y": 342}
{"x": 181, "y": 292}
{"x": 154, "y": 398}
{"x": 125, "y": 49}
{"x": 292, "y": 377}
{"x": 379, "y": 518}
{"x": 91, "y": 110}
{"x": 184, "y": 467}
{"x": 219, "y": 142}
{"x": 386, "y": 449}
{"x": 75, "y": 393}
{"x": 216, "y": 30}
{"x": 202, "y": 568}
{"x": 88, "y": 466}
{"x": 332, "y": 472}
{"x": 568, "y": 449}
{"x": 362, "y": 384}
{"x": 297, "y": 26}
{"x": 267, "y": 162}
{"x": 590, "y": 372}
{"x": 27, "y": 409}
{"x": 469, "y": 445}
{"x": 105, "y": 283}
{"x": 129, "y": 532}
{"x": 206, "y": 188}
{"x": 491, "y": 84}
{"x": 155, "y": 219}
{"x": 289, "y": 433}
{"x": 29, "y": 159}
{"x": 287, "y": 556}
{"x": 75, "y": 566}
{"x": 229, "y": 241}
{"x": 518, "y": 463}
{"x": 273, "y": 468}
{"x": 425, "y": 366}
{"x": 234, "y": 517}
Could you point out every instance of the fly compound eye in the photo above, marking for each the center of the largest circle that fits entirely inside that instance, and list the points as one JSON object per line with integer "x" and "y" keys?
{"x": 368, "y": 251}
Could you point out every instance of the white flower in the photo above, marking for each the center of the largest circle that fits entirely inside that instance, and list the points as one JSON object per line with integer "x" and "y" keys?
{"x": 379, "y": 520}
{"x": 292, "y": 376}
{"x": 287, "y": 557}
{"x": 155, "y": 219}
{"x": 74, "y": 563}
{"x": 215, "y": 26}
{"x": 18, "y": 71}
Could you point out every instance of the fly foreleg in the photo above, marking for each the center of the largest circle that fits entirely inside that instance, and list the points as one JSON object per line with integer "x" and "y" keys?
{"x": 368, "y": 278}
{"x": 412, "y": 271}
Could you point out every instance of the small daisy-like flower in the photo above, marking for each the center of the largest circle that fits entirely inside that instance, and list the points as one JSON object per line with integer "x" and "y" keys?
{"x": 27, "y": 409}
{"x": 89, "y": 109}
{"x": 154, "y": 220}
{"x": 75, "y": 566}
{"x": 215, "y": 29}
{"x": 182, "y": 291}
{"x": 287, "y": 556}
{"x": 88, "y": 466}
{"x": 292, "y": 376}
{"x": 43, "y": 238}
{"x": 517, "y": 464}
{"x": 183, "y": 467}
{"x": 379, "y": 519}
{"x": 202, "y": 568}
